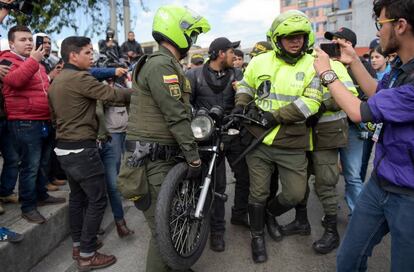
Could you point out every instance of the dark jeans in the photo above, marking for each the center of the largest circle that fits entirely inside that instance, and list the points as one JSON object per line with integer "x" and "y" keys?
{"x": 378, "y": 212}
{"x": 33, "y": 145}
{"x": 10, "y": 169}
{"x": 109, "y": 159}
{"x": 55, "y": 170}
{"x": 87, "y": 199}
{"x": 232, "y": 150}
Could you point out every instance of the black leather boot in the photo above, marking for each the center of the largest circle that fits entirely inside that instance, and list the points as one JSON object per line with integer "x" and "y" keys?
{"x": 330, "y": 238}
{"x": 273, "y": 227}
{"x": 257, "y": 218}
{"x": 300, "y": 225}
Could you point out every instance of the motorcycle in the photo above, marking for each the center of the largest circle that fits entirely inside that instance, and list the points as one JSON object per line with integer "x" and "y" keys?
{"x": 182, "y": 216}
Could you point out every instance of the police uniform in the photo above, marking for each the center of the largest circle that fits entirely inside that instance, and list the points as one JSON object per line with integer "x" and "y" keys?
{"x": 295, "y": 94}
{"x": 160, "y": 113}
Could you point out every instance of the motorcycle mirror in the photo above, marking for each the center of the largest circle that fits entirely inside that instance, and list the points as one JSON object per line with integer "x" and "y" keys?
{"x": 232, "y": 132}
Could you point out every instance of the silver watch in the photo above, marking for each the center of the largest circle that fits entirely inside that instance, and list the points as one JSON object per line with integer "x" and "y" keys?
{"x": 328, "y": 77}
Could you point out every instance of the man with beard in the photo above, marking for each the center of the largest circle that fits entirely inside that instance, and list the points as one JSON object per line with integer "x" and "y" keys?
{"x": 386, "y": 202}
{"x": 211, "y": 85}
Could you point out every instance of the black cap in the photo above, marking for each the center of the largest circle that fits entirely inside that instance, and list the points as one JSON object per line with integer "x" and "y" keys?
{"x": 344, "y": 33}
{"x": 374, "y": 43}
{"x": 222, "y": 44}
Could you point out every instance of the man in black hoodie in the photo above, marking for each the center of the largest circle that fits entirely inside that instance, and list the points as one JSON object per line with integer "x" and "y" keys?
{"x": 212, "y": 85}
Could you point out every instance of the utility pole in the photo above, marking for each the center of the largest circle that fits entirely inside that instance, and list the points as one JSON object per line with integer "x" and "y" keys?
{"x": 113, "y": 18}
{"x": 127, "y": 18}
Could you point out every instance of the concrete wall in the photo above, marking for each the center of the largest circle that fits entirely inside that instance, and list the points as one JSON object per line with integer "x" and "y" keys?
{"x": 363, "y": 23}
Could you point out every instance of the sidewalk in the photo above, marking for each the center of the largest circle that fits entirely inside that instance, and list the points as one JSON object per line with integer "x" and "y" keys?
{"x": 38, "y": 240}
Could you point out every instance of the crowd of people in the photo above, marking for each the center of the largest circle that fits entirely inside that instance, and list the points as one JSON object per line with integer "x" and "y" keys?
{"x": 323, "y": 116}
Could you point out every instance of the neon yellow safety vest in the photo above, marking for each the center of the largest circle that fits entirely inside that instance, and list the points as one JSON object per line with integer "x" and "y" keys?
{"x": 346, "y": 79}
{"x": 297, "y": 84}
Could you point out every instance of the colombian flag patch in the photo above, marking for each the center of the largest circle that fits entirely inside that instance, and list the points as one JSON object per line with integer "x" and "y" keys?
{"x": 170, "y": 79}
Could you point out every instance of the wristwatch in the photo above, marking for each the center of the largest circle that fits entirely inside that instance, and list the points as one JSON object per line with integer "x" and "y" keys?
{"x": 328, "y": 77}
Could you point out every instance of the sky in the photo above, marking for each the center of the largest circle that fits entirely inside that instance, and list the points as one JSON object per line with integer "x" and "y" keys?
{"x": 244, "y": 20}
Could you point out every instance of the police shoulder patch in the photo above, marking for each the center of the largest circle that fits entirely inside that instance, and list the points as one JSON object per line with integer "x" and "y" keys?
{"x": 175, "y": 90}
{"x": 170, "y": 79}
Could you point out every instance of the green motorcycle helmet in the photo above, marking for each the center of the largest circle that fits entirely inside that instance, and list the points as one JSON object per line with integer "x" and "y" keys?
{"x": 178, "y": 26}
{"x": 291, "y": 22}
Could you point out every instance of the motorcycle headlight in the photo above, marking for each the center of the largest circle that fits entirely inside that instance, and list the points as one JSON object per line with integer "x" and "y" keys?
{"x": 202, "y": 126}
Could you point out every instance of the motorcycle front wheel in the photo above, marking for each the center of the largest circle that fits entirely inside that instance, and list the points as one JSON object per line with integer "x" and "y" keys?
{"x": 181, "y": 238}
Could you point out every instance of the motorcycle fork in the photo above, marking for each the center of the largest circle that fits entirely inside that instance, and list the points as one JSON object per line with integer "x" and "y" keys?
{"x": 206, "y": 184}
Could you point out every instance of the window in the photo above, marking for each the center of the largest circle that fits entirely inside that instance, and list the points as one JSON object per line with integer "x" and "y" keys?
{"x": 302, "y": 3}
{"x": 287, "y": 2}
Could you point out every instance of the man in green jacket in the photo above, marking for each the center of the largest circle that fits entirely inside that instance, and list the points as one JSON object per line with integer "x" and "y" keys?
{"x": 160, "y": 114}
{"x": 72, "y": 100}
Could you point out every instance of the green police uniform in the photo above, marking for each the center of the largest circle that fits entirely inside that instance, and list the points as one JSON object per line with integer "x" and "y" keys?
{"x": 159, "y": 113}
{"x": 295, "y": 95}
{"x": 328, "y": 135}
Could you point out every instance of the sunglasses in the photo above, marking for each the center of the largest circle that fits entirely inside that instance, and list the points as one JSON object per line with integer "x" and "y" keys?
{"x": 380, "y": 23}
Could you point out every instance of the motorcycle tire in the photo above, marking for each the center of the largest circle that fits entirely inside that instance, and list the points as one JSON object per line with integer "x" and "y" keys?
{"x": 180, "y": 237}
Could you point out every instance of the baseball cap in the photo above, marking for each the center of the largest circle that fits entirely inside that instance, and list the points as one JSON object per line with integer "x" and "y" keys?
{"x": 260, "y": 47}
{"x": 344, "y": 33}
{"x": 374, "y": 43}
{"x": 222, "y": 44}
{"x": 197, "y": 59}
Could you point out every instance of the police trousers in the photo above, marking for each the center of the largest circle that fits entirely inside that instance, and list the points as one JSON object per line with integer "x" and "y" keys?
{"x": 291, "y": 164}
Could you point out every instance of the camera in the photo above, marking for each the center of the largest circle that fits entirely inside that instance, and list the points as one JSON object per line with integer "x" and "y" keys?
{"x": 25, "y": 7}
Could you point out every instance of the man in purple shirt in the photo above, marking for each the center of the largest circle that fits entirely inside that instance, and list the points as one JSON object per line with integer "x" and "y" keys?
{"x": 386, "y": 203}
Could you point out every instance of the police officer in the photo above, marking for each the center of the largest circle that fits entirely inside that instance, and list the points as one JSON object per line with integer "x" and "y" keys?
{"x": 212, "y": 85}
{"x": 295, "y": 94}
{"x": 329, "y": 133}
{"x": 160, "y": 111}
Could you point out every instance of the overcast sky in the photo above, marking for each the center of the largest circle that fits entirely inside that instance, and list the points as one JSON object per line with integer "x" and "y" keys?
{"x": 245, "y": 20}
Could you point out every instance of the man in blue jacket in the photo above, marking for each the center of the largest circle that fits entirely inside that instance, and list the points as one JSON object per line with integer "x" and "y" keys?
{"x": 386, "y": 203}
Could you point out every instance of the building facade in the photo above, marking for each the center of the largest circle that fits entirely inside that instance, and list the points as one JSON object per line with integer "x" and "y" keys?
{"x": 317, "y": 10}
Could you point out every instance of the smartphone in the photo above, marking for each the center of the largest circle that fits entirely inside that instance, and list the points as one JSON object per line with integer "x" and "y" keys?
{"x": 332, "y": 49}
{"x": 39, "y": 41}
{"x": 5, "y": 62}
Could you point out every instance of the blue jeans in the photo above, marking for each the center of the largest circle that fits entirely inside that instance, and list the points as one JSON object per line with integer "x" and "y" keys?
{"x": 108, "y": 158}
{"x": 34, "y": 147}
{"x": 378, "y": 212}
{"x": 118, "y": 145}
{"x": 10, "y": 169}
{"x": 351, "y": 159}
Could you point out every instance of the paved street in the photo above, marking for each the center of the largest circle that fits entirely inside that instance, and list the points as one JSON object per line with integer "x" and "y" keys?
{"x": 292, "y": 254}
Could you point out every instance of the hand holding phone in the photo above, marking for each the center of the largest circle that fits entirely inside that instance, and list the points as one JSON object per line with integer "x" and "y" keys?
{"x": 5, "y": 62}
{"x": 39, "y": 41}
{"x": 332, "y": 49}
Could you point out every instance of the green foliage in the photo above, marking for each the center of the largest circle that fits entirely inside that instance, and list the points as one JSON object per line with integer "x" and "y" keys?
{"x": 51, "y": 16}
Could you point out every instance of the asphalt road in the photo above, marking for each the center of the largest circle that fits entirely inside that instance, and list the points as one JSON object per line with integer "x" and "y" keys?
{"x": 292, "y": 254}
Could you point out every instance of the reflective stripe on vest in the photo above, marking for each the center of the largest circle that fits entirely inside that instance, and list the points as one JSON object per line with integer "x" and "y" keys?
{"x": 332, "y": 117}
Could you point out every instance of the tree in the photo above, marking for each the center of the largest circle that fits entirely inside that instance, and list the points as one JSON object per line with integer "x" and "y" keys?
{"x": 51, "y": 16}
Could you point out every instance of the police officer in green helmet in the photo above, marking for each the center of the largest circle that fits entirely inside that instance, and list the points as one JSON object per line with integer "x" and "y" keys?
{"x": 295, "y": 94}
{"x": 160, "y": 113}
